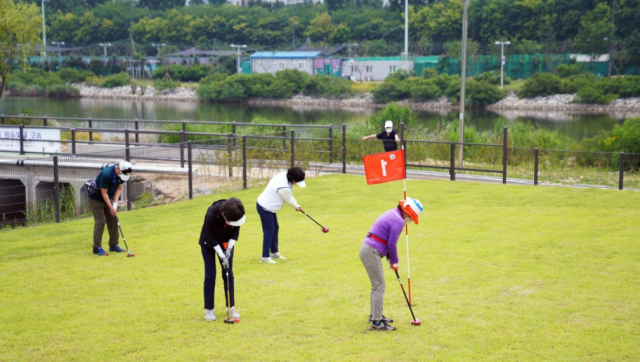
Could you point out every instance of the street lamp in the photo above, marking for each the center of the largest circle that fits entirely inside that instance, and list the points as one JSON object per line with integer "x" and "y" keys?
{"x": 105, "y": 45}
{"x": 502, "y": 44}
{"x": 351, "y": 45}
{"x": 463, "y": 77}
{"x": 238, "y": 55}
{"x": 158, "y": 46}
{"x": 58, "y": 43}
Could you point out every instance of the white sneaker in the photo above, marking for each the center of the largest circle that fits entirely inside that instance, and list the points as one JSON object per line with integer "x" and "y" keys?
{"x": 277, "y": 256}
{"x": 209, "y": 315}
{"x": 234, "y": 312}
{"x": 267, "y": 260}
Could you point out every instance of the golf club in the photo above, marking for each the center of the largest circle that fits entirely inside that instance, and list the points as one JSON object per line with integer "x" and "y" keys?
{"x": 416, "y": 322}
{"x": 229, "y": 319}
{"x": 129, "y": 254}
{"x": 324, "y": 229}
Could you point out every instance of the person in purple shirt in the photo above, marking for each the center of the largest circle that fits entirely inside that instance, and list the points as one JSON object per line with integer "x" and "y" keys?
{"x": 381, "y": 241}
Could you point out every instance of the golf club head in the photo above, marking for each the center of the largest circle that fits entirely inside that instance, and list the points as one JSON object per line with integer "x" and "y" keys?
{"x": 325, "y": 229}
{"x": 416, "y": 322}
{"x": 229, "y": 320}
{"x": 130, "y": 255}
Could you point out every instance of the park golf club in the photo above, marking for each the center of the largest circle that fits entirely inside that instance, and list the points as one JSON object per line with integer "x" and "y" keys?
{"x": 416, "y": 322}
{"x": 129, "y": 254}
{"x": 229, "y": 319}
{"x": 324, "y": 229}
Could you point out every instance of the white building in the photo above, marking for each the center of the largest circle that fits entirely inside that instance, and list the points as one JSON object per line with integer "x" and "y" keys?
{"x": 374, "y": 69}
{"x": 271, "y": 62}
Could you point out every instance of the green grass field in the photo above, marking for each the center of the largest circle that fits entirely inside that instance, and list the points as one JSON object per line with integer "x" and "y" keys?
{"x": 502, "y": 273}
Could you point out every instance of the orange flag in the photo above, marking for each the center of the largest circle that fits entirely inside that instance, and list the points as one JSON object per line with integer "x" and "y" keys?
{"x": 384, "y": 167}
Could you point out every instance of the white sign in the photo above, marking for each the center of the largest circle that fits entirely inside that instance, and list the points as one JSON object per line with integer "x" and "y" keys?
{"x": 40, "y": 140}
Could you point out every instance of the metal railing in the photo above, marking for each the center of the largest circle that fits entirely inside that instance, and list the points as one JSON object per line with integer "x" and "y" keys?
{"x": 48, "y": 189}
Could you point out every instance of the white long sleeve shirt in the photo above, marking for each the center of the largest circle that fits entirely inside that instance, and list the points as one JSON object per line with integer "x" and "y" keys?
{"x": 277, "y": 192}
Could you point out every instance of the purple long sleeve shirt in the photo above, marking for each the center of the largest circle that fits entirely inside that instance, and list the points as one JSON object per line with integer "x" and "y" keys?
{"x": 387, "y": 227}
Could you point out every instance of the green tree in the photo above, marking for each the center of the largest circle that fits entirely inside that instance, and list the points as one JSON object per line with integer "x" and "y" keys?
{"x": 320, "y": 28}
{"x": 595, "y": 27}
{"x": 161, "y": 4}
{"x": 20, "y": 26}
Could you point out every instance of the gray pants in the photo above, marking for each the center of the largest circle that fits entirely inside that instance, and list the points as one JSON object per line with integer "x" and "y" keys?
{"x": 102, "y": 216}
{"x": 372, "y": 261}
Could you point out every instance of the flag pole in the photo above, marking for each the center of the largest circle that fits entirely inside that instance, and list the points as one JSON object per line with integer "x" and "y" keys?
{"x": 406, "y": 229}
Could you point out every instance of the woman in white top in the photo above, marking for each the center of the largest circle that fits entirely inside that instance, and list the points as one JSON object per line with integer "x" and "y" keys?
{"x": 278, "y": 191}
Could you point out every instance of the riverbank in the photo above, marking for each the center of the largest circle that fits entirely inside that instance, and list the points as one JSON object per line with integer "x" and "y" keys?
{"x": 511, "y": 106}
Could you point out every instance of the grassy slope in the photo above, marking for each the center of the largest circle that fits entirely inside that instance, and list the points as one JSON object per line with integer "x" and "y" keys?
{"x": 498, "y": 273}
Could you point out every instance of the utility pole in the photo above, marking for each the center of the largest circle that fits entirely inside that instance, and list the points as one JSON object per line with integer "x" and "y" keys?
{"x": 613, "y": 14}
{"x": 293, "y": 22}
{"x": 463, "y": 77}
{"x": 44, "y": 34}
{"x": 104, "y": 46}
{"x": 502, "y": 44}
{"x": 238, "y": 69}
{"x": 406, "y": 30}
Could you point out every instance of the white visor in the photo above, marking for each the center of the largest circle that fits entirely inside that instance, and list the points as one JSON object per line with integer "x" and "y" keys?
{"x": 238, "y": 222}
{"x": 301, "y": 184}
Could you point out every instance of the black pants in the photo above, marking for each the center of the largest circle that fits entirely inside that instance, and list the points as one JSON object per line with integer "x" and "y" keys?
{"x": 209, "y": 256}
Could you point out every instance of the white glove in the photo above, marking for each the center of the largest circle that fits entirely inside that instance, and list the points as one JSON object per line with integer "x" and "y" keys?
{"x": 229, "y": 248}
{"x": 225, "y": 262}
{"x": 115, "y": 206}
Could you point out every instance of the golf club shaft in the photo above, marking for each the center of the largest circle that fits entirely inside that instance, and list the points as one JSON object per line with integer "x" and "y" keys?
{"x": 307, "y": 215}
{"x": 405, "y": 296}
{"x": 121, "y": 233}
{"x": 228, "y": 295}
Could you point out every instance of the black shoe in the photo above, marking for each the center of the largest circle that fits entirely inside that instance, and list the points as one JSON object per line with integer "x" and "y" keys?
{"x": 382, "y": 326}
{"x": 388, "y": 320}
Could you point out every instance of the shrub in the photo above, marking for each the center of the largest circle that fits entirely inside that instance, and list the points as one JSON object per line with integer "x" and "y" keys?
{"x": 623, "y": 86}
{"x": 164, "y": 84}
{"x": 541, "y": 84}
{"x": 71, "y": 75}
{"x": 287, "y": 83}
{"x": 492, "y": 78}
{"x": 568, "y": 70}
{"x": 429, "y": 73}
{"x": 62, "y": 91}
{"x": 391, "y": 90}
{"x": 422, "y": 89}
{"x": 594, "y": 94}
{"x": 482, "y": 93}
{"x": 183, "y": 73}
{"x": 116, "y": 80}
{"x": 327, "y": 87}
{"x": 575, "y": 82}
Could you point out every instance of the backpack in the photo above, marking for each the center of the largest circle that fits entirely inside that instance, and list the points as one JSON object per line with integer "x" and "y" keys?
{"x": 91, "y": 187}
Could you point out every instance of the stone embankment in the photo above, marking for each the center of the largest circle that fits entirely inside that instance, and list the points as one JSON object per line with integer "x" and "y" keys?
{"x": 561, "y": 103}
{"x": 182, "y": 94}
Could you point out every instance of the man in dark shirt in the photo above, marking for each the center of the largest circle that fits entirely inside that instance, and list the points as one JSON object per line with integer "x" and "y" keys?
{"x": 105, "y": 203}
{"x": 389, "y": 137}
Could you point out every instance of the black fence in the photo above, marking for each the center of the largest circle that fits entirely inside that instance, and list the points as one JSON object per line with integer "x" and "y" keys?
{"x": 177, "y": 165}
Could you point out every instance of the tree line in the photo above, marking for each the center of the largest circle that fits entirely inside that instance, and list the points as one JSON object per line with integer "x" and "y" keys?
{"x": 532, "y": 26}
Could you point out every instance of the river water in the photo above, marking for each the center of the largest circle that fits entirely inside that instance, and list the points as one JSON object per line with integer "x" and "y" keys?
{"x": 576, "y": 126}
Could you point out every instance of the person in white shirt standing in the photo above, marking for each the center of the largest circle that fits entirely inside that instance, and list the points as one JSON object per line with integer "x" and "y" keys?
{"x": 278, "y": 191}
